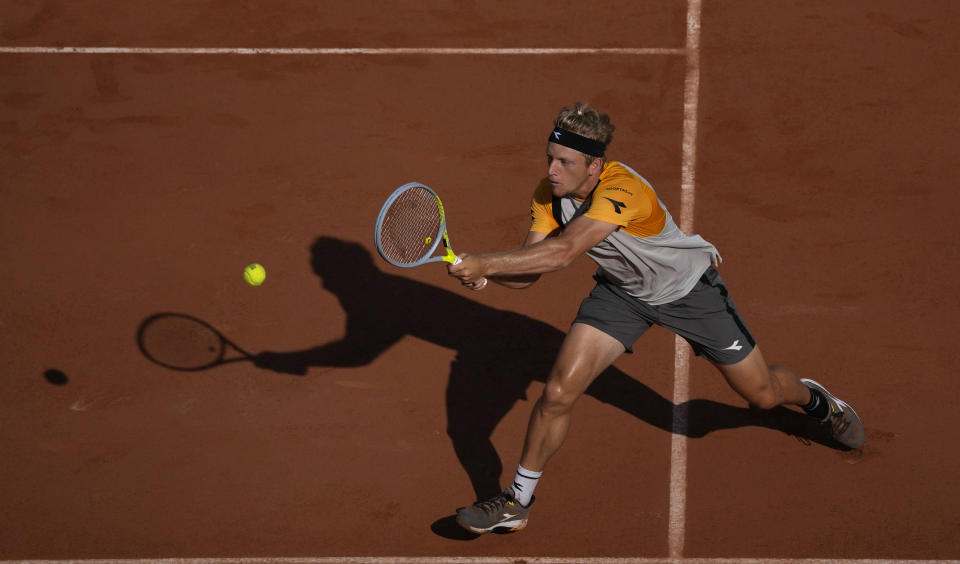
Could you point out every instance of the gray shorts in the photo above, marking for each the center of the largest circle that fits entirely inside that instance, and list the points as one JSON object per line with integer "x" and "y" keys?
{"x": 706, "y": 317}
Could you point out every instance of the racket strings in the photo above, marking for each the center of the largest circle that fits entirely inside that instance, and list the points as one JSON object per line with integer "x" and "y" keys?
{"x": 411, "y": 226}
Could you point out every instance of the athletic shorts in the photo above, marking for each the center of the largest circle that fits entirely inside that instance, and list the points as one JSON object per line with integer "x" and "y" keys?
{"x": 706, "y": 317}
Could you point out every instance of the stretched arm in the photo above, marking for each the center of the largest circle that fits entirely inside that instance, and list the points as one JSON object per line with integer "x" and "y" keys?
{"x": 522, "y": 280}
{"x": 544, "y": 255}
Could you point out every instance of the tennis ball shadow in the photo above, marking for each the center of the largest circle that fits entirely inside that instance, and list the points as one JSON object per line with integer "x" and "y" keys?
{"x": 56, "y": 377}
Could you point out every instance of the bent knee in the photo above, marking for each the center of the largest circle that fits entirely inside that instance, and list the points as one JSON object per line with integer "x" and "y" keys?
{"x": 756, "y": 382}
{"x": 769, "y": 395}
{"x": 766, "y": 395}
{"x": 763, "y": 399}
{"x": 557, "y": 399}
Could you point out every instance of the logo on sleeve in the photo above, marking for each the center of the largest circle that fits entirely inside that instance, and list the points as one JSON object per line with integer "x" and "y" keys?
{"x": 616, "y": 205}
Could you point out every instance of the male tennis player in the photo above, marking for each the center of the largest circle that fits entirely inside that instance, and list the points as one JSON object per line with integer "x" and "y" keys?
{"x": 649, "y": 273}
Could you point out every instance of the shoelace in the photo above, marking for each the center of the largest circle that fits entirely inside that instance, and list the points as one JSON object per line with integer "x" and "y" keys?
{"x": 494, "y": 505}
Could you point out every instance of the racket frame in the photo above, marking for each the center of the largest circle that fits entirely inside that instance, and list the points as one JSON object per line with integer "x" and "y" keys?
{"x": 441, "y": 236}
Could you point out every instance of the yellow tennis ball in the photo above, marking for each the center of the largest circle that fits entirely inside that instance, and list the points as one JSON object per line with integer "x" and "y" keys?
{"x": 254, "y": 274}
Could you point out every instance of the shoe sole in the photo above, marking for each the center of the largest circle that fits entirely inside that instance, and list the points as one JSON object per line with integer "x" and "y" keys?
{"x": 846, "y": 407}
{"x": 510, "y": 526}
{"x": 843, "y": 405}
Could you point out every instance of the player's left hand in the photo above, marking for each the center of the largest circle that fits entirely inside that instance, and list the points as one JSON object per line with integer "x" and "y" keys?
{"x": 469, "y": 271}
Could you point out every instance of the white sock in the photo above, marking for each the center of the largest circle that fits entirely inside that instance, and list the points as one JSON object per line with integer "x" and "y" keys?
{"x": 524, "y": 483}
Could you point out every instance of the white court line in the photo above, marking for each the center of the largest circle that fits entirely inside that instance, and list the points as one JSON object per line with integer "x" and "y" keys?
{"x": 676, "y": 530}
{"x": 342, "y": 51}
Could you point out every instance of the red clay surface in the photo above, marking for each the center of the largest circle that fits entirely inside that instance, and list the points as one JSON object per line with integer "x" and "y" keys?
{"x": 133, "y": 185}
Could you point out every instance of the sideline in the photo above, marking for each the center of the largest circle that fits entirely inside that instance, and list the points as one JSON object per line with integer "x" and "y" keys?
{"x": 681, "y": 365}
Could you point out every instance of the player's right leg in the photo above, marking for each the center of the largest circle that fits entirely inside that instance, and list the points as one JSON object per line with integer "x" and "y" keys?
{"x": 585, "y": 353}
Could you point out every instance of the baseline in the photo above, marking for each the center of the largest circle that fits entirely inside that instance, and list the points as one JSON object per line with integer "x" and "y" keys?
{"x": 477, "y": 560}
{"x": 41, "y": 50}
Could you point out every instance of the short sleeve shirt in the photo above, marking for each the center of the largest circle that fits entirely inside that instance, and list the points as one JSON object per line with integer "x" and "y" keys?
{"x": 648, "y": 256}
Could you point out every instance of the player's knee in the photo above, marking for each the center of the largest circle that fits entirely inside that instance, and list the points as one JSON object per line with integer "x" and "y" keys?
{"x": 757, "y": 383}
{"x": 556, "y": 399}
{"x": 764, "y": 395}
{"x": 765, "y": 398}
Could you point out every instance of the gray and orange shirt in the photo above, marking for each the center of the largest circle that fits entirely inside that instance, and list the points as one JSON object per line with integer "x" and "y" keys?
{"x": 648, "y": 256}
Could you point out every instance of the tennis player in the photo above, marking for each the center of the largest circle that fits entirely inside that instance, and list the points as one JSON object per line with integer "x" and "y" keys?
{"x": 649, "y": 273}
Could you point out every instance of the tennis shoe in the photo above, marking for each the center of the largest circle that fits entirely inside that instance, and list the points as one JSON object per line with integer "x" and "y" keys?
{"x": 502, "y": 511}
{"x": 845, "y": 424}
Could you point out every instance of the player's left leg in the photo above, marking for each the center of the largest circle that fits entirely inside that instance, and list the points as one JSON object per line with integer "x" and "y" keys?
{"x": 708, "y": 318}
{"x": 764, "y": 386}
{"x": 769, "y": 386}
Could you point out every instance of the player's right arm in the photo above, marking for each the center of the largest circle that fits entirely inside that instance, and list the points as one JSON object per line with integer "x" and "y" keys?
{"x": 543, "y": 225}
{"x": 521, "y": 281}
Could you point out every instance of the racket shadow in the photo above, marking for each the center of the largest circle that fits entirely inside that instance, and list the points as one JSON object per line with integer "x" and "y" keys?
{"x": 186, "y": 343}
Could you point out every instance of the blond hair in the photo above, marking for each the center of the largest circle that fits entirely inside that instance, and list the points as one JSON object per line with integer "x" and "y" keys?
{"x": 586, "y": 121}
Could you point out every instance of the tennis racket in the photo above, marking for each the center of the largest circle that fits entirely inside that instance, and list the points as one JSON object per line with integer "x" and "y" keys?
{"x": 181, "y": 342}
{"x": 411, "y": 227}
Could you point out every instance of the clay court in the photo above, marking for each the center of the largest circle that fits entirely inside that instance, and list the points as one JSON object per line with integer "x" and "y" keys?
{"x": 150, "y": 150}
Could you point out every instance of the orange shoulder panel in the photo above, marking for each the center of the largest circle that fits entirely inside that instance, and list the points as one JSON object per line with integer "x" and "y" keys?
{"x": 541, "y": 209}
{"x": 623, "y": 199}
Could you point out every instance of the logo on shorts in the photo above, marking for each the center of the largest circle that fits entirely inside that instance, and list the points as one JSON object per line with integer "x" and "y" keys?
{"x": 736, "y": 346}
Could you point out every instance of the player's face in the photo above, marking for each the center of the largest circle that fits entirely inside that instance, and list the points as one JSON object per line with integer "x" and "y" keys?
{"x": 569, "y": 173}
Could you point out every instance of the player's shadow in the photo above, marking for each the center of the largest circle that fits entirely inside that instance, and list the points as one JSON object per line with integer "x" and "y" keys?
{"x": 499, "y": 353}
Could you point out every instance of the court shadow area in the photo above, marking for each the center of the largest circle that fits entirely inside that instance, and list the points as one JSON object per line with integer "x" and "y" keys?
{"x": 499, "y": 354}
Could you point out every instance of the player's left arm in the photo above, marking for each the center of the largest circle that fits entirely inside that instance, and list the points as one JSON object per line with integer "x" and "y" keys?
{"x": 548, "y": 255}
